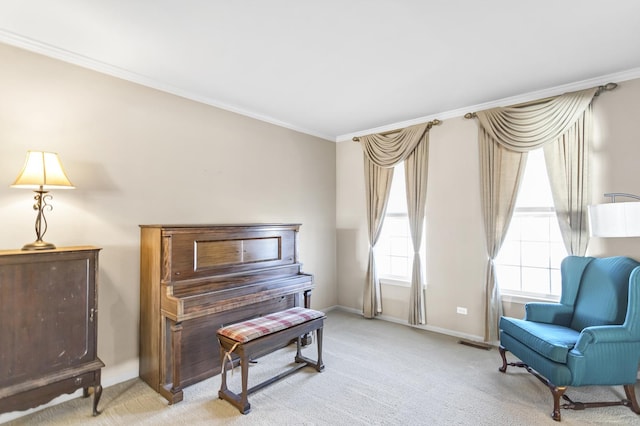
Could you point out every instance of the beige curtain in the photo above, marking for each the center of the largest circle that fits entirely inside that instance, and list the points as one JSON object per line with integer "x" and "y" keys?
{"x": 377, "y": 187}
{"x": 415, "y": 171}
{"x": 505, "y": 135}
{"x": 382, "y": 153}
{"x": 568, "y": 170}
{"x": 500, "y": 171}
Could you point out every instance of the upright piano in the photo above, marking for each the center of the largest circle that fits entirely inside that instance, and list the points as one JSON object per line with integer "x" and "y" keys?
{"x": 195, "y": 279}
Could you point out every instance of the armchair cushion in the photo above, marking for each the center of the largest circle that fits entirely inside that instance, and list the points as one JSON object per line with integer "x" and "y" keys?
{"x": 549, "y": 340}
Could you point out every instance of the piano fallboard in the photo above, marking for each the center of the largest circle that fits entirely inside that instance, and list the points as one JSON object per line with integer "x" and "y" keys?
{"x": 188, "y": 307}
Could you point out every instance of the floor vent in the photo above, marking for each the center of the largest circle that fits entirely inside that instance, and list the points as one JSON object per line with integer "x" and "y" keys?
{"x": 477, "y": 345}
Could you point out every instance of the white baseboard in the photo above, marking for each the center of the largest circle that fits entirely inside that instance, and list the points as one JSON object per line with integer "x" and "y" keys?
{"x": 470, "y": 337}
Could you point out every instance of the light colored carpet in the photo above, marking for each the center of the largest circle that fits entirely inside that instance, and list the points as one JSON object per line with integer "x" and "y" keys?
{"x": 377, "y": 373}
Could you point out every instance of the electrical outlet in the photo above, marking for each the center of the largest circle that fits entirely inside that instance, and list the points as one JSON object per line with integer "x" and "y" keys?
{"x": 461, "y": 310}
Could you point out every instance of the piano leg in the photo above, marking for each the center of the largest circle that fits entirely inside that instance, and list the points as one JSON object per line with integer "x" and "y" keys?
{"x": 307, "y": 339}
{"x": 307, "y": 299}
{"x": 176, "y": 361}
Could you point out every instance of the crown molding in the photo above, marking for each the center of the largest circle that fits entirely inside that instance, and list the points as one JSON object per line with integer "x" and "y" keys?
{"x": 513, "y": 100}
{"x": 45, "y": 49}
{"x": 51, "y": 51}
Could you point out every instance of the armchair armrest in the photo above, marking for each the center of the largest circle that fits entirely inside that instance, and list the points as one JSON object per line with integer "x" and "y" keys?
{"x": 549, "y": 313}
{"x": 604, "y": 355}
{"x": 604, "y": 334}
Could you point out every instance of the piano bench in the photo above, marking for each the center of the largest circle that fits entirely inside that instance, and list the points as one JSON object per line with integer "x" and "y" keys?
{"x": 259, "y": 336}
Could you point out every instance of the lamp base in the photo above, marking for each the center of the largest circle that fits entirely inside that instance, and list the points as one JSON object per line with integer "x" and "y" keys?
{"x": 39, "y": 245}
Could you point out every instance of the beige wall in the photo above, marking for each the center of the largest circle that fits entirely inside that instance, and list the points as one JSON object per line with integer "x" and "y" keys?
{"x": 140, "y": 156}
{"x": 455, "y": 241}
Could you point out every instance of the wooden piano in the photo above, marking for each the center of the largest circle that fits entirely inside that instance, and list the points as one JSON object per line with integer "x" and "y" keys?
{"x": 196, "y": 278}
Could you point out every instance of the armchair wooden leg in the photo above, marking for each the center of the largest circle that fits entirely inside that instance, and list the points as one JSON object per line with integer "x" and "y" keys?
{"x": 630, "y": 391}
{"x": 557, "y": 393}
{"x": 503, "y": 352}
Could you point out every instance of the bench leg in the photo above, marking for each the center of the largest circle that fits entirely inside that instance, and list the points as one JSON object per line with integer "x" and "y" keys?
{"x": 318, "y": 365}
{"x": 244, "y": 398}
{"x": 299, "y": 342}
{"x": 241, "y": 402}
{"x": 223, "y": 373}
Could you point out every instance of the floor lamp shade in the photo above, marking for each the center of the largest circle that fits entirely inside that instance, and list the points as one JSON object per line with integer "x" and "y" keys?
{"x": 615, "y": 219}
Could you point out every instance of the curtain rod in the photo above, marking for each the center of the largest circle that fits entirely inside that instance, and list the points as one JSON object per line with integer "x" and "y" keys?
{"x": 430, "y": 124}
{"x": 606, "y": 87}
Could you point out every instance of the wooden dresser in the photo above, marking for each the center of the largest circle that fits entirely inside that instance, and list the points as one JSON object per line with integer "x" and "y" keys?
{"x": 48, "y": 326}
{"x": 196, "y": 278}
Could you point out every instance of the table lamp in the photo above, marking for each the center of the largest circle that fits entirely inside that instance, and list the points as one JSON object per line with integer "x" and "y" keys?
{"x": 42, "y": 171}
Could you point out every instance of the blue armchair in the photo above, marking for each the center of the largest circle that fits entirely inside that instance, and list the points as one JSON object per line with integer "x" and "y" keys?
{"x": 591, "y": 337}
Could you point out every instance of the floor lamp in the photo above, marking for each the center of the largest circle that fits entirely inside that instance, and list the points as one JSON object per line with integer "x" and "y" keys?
{"x": 615, "y": 219}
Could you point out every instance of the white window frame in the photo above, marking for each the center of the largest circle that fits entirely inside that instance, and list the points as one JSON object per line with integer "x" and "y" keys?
{"x": 393, "y": 212}
{"x": 556, "y": 251}
{"x": 552, "y": 268}
{"x": 401, "y": 280}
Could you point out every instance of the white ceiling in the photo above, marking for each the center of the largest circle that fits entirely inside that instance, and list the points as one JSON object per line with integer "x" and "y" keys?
{"x": 336, "y": 68}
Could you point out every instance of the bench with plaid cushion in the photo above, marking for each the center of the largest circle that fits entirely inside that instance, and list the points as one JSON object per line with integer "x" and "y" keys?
{"x": 253, "y": 338}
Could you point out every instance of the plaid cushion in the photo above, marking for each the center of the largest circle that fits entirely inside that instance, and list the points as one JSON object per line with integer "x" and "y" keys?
{"x": 252, "y": 329}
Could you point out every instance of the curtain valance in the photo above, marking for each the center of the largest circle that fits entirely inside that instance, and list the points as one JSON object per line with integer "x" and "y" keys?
{"x": 388, "y": 150}
{"x": 529, "y": 126}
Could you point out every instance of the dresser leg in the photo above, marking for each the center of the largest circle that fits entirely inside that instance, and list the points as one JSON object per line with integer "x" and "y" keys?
{"x": 97, "y": 393}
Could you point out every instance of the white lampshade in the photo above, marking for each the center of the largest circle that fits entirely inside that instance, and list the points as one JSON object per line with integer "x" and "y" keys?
{"x": 42, "y": 169}
{"x": 615, "y": 219}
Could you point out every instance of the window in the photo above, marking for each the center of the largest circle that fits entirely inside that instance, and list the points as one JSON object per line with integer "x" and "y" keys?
{"x": 394, "y": 250}
{"x": 529, "y": 261}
